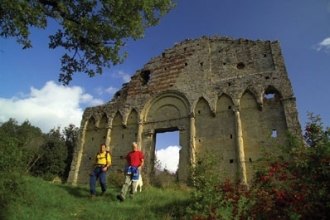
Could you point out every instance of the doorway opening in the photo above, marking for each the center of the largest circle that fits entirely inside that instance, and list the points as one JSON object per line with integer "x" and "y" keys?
{"x": 167, "y": 148}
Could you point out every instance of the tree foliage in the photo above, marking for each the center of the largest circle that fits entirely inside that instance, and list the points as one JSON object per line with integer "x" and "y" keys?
{"x": 70, "y": 135}
{"x": 92, "y": 32}
{"x": 24, "y": 149}
{"x": 215, "y": 197}
{"x": 13, "y": 160}
{"x": 44, "y": 155}
{"x": 25, "y": 140}
{"x": 11, "y": 165}
{"x": 53, "y": 154}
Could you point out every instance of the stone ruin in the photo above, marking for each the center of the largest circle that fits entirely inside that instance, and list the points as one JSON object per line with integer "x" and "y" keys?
{"x": 228, "y": 97}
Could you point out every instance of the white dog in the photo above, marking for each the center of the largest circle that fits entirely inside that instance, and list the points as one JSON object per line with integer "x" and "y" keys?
{"x": 138, "y": 184}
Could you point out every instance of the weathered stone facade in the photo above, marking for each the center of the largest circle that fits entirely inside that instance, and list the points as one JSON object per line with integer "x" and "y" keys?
{"x": 230, "y": 97}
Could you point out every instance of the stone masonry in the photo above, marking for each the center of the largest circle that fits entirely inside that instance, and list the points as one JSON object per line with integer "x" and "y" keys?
{"x": 231, "y": 98}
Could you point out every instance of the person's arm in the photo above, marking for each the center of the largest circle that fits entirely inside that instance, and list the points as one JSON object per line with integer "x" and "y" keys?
{"x": 141, "y": 159}
{"x": 141, "y": 165}
{"x": 108, "y": 160}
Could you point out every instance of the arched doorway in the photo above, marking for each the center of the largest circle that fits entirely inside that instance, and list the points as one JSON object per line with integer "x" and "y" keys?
{"x": 167, "y": 112}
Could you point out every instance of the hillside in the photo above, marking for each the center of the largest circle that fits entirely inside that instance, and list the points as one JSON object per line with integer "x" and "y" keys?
{"x": 45, "y": 200}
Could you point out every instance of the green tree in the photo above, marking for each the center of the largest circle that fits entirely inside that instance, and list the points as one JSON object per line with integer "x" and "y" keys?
{"x": 12, "y": 164}
{"x": 10, "y": 147}
{"x": 25, "y": 148}
{"x": 71, "y": 138}
{"x": 53, "y": 154}
{"x": 216, "y": 197}
{"x": 92, "y": 31}
{"x": 27, "y": 138}
{"x": 10, "y": 183}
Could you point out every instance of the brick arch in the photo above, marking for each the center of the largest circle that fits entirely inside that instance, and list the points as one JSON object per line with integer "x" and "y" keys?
{"x": 91, "y": 123}
{"x": 252, "y": 129}
{"x": 226, "y": 137}
{"x": 203, "y": 117}
{"x": 273, "y": 117}
{"x": 103, "y": 122}
{"x": 224, "y": 103}
{"x": 262, "y": 128}
{"x": 133, "y": 117}
{"x": 202, "y": 107}
{"x": 198, "y": 102}
{"x": 117, "y": 119}
{"x": 169, "y": 105}
{"x": 248, "y": 100}
{"x": 256, "y": 92}
{"x": 270, "y": 89}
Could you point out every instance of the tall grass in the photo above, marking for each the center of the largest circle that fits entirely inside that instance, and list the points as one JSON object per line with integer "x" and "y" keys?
{"x": 44, "y": 200}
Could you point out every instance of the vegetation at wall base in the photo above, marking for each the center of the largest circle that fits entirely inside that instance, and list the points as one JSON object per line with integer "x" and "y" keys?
{"x": 293, "y": 185}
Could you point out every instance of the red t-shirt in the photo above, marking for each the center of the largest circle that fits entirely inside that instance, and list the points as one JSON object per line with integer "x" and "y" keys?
{"x": 134, "y": 158}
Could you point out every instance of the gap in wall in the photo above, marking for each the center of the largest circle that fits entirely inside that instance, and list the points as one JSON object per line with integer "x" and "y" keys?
{"x": 167, "y": 149}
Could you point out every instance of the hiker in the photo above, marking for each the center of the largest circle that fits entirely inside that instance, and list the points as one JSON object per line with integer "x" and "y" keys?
{"x": 102, "y": 164}
{"x": 135, "y": 160}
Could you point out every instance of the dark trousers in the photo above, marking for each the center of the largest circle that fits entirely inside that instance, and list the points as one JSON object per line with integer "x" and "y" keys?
{"x": 97, "y": 174}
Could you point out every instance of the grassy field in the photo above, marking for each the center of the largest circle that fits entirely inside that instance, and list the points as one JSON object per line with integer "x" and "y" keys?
{"x": 45, "y": 200}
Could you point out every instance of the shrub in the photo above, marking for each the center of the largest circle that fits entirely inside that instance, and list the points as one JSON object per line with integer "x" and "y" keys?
{"x": 11, "y": 169}
{"x": 294, "y": 185}
{"x": 164, "y": 179}
{"x": 214, "y": 197}
{"x": 52, "y": 157}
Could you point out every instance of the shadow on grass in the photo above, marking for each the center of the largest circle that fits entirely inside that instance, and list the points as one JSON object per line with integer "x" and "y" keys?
{"x": 83, "y": 192}
{"x": 174, "y": 210}
{"x": 76, "y": 191}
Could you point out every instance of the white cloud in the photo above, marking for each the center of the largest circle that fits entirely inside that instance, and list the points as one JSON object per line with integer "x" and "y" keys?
{"x": 89, "y": 100}
{"x": 124, "y": 76}
{"x": 51, "y": 106}
{"x": 110, "y": 90}
{"x": 324, "y": 45}
{"x": 169, "y": 158}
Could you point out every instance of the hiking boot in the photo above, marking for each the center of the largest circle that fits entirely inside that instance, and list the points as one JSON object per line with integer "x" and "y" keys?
{"x": 92, "y": 196}
{"x": 102, "y": 193}
{"x": 120, "y": 198}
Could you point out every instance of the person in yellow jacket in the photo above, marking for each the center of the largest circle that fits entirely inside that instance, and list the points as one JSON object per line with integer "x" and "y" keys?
{"x": 102, "y": 164}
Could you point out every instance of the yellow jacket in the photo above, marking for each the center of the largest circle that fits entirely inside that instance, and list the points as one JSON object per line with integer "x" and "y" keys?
{"x": 103, "y": 159}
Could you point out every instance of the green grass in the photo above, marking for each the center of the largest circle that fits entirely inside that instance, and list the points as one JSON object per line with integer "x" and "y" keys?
{"x": 44, "y": 200}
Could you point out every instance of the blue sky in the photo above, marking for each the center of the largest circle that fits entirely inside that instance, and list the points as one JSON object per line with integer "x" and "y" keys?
{"x": 30, "y": 91}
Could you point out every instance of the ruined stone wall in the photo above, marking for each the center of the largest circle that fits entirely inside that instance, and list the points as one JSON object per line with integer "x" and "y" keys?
{"x": 230, "y": 97}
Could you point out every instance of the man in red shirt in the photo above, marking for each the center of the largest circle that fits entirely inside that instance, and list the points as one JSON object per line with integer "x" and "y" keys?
{"x": 135, "y": 160}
